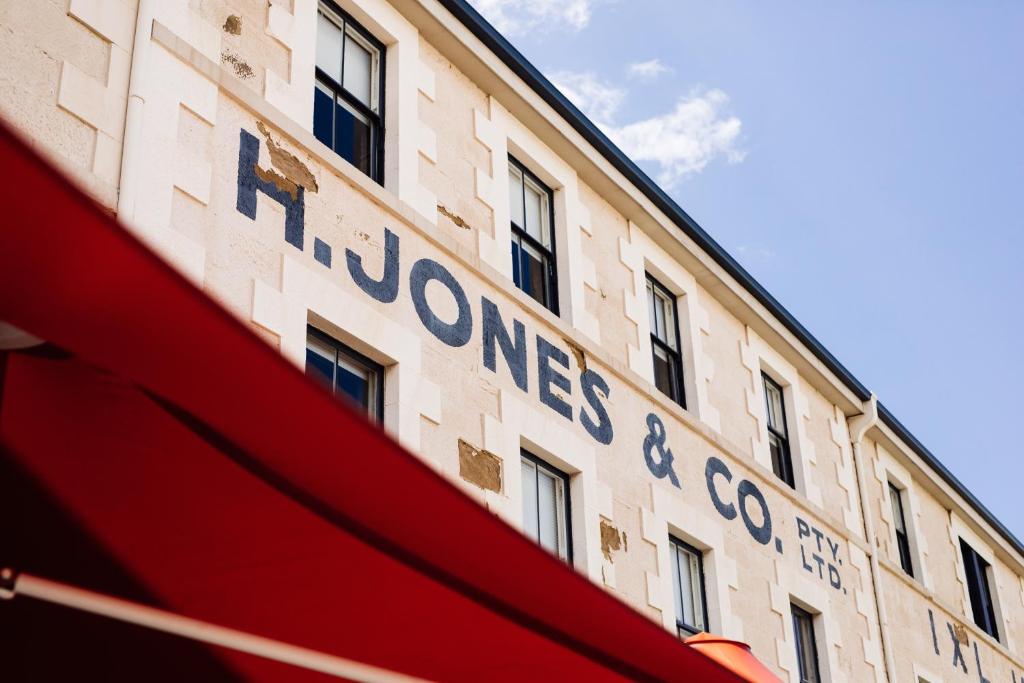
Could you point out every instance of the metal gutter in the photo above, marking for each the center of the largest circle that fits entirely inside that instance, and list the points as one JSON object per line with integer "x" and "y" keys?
{"x": 904, "y": 434}
{"x": 514, "y": 60}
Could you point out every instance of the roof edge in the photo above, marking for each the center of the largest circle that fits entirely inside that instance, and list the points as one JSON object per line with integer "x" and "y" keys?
{"x": 904, "y": 434}
{"x": 514, "y": 60}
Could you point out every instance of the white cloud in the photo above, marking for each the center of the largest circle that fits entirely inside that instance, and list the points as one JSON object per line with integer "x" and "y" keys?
{"x": 679, "y": 142}
{"x": 686, "y": 139}
{"x": 516, "y": 16}
{"x": 755, "y": 254}
{"x": 597, "y": 99}
{"x": 648, "y": 70}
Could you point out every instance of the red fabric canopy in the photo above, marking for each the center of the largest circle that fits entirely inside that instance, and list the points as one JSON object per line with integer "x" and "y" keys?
{"x": 732, "y": 654}
{"x": 157, "y": 451}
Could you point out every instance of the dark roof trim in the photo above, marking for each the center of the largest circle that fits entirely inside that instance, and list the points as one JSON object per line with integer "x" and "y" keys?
{"x": 514, "y": 60}
{"x": 550, "y": 94}
{"x": 890, "y": 421}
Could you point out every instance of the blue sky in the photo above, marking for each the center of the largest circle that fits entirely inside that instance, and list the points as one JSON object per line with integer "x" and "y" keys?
{"x": 863, "y": 160}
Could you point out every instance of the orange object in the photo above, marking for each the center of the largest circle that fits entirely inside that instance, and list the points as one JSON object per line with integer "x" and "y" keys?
{"x": 733, "y": 655}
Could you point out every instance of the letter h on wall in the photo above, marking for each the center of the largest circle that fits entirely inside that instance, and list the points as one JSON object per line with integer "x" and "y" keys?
{"x": 251, "y": 178}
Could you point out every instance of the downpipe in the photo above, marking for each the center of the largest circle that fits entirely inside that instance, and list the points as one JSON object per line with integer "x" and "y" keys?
{"x": 131, "y": 146}
{"x": 859, "y": 426}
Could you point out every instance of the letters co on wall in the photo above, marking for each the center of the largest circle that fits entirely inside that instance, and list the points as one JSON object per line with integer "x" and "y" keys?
{"x": 733, "y": 499}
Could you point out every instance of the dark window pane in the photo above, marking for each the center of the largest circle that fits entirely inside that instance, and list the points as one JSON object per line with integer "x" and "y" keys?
{"x": 806, "y": 648}
{"x": 345, "y": 373}
{"x": 900, "y": 524}
{"x": 320, "y": 368}
{"x": 782, "y": 465}
{"x": 663, "y": 368}
{"x": 668, "y": 369}
{"x": 354, "y": 383}
{"x": 534, "y": 273}
{"x": 533, "y": 267}
{"x": 982, "y": 607}
{"x": 517, "y": 256}
{"x": 352, "y": 136}
{"x": 323, "y": 111}
{"x": 687, "y": 587}
{"x": 904, "y": 546}
{"x": 896, "y": 500}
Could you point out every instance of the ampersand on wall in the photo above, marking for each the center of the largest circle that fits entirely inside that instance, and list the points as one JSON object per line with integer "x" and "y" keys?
{"x": 656, "y": 440}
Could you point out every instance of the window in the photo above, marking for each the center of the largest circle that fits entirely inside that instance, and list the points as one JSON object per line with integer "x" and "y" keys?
{"x": 900, "y": 524}
{"x": 668, "y": 361}
{"x": 346, "y": 373}
{"x": 546, "y": 506}
{"x": 778, "y": 435}
{"x": 347, "y": 103}
{"x": 688, "y": 587}
{"x": 533, "y": 240}
{"x": 977, "y": 570}
{"x": 806, "y": 647}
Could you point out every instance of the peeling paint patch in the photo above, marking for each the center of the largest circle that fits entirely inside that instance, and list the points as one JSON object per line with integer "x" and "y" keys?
{"x": 233, "y": 25}
{"x": 289, "y": 164}
{"x": 611, "y": 539}
{"x": 242, "y": 70}
{"x": 279, "y": 181}
{"x": 456, "y": 219}
{"x": 479, "y": 467}
{"x": 577, "y": 352}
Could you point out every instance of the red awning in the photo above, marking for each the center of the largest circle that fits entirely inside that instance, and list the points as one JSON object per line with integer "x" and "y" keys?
{"x": 734, "y": 655}
{"x": 158, "y": 460}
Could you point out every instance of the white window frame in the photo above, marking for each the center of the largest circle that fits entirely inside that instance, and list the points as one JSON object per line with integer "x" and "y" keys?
{"x": 898, "y": 497}
{"x": 786, "y": 435}
{"x": 801, "y": 448}
{"x": 308, "y": 298}
{"x": 922, "y": 675}
{"x": 959, "y": 530}
{"x": 684, "y": 629}
{"x": 673, "y": 515}
{"x": 520, "y": 235}
{"x": 344, "y": 351}
{"x": 505, "y": 136}
{"x": 821, "y": 667}
{"x": 888, "y": 469}
{"x": 643, "y": 256}
{"x": 406, "y": 76}
{"x": 350, "y": 28}
{"x": 654, "y": 287}
{"x": 563, "y": 507}
{"x": 796, "y": 588}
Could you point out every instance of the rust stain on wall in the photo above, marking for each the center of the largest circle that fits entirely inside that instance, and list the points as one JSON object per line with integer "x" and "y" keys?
{"x": 611, "y": 539}
{"x": 242, "y": 70}
{"x": 456, "y": 219}
{"x": 479, "y": 467}
{"x": 233, "y": 25}
{"x": 288, "y": 163}
{"x": 581, "y": 357}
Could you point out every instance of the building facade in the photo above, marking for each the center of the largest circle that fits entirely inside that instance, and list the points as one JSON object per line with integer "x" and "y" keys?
{"x": 391, "y": 196}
